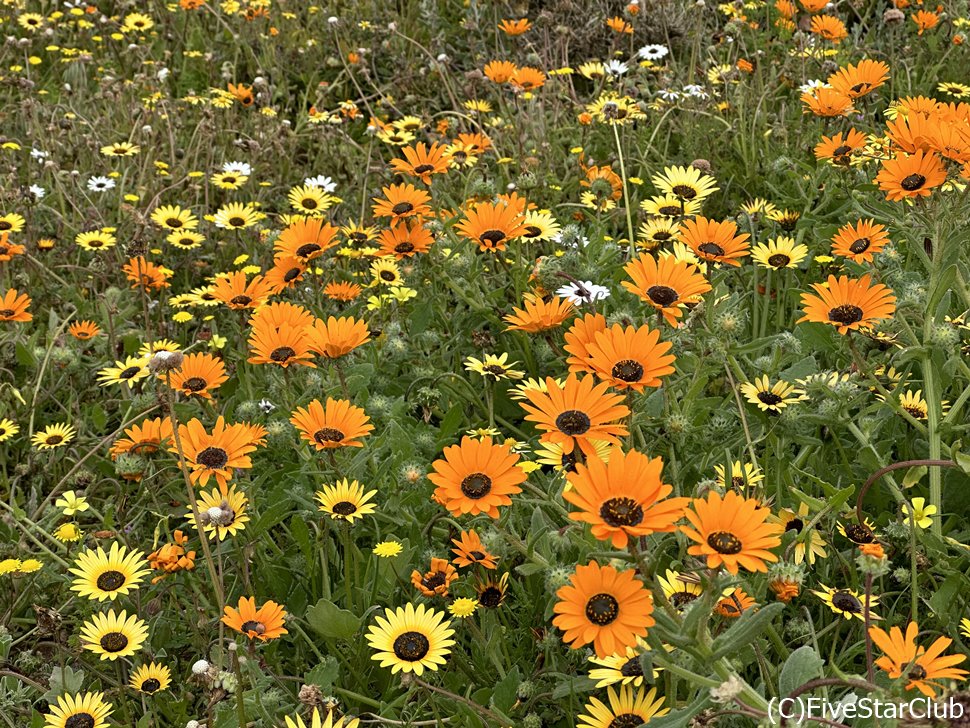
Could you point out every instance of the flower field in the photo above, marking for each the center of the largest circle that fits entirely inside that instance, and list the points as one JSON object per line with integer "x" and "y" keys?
{"x": 477, "y": 363}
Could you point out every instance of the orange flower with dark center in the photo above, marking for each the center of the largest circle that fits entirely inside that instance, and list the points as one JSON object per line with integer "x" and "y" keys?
{"x": 287, "y": 271}
{"x": 7, "y": 249}
{"x": 144, "y": 438}
{"x": 199, "y": 374}
{"x": 265, "y": 623}
{"x": 911, "y": 175}
{"x": 632, "y": 358}
{"x": 338, "y": 424}
{"x": 282, "y": 314}
{"x": 515, "y": 27}
{"x": 306, "y": 239}
{"x": 285, "y": 346}
{"x": 605, "y": 607}
{"x": 848, "y": 303}
{"x": 734, "y": 604}
{"x": 605, "y": 174}
{"x": 855, "y": 81}
{"x": 405, "y": 241}
{"x": 476, "y": 476}
{"x": 912, "y": 132}
{"x": 666, "y": 283}
{"x": 145, "y": 274}
{"x": 732, "y": 531}
{"x": 336, "y": 337}
{"x": 579, "y": 338}
{"x": 492, "y": 225}
{"x": 14, "y": 305}
{"x": 84, "y": 330}
{"x": 840, "y": 147}
{"x": 469, "y": 550}
{"x": 422, "y": 161}
{"x": 238, "y": 293}
{"x": 924, "y": 667}
{"x": 829, "y": 28}
{"x": 527, "y": 78}
{"x": 342, "y": 291}
{"x": 475, "y": 141}
{"x": 242, "y": 93}
{"x": 539, "y": 315}
{"x": 436, "y": 581}
{"x": 715, "y": 241}
{"x": 402, "y": 201}
{"x": 925, "y": 20}
{"x": 623, "y": 497}
{"x": 825, "y": 101}
{"x": 500, "y": 71}
{"x": 578, "y": 413}
{"x": 860, "y": 241}
{"x": 215, "y": 454}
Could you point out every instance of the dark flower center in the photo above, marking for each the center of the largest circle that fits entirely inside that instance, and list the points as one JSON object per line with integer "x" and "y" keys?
{"x": 237, "y": 221}
{"x": 328, "y": 434}
{"x": 110, "y": 580}
{"x": 724, "y": 542}
{"x": 6, "y": 312}
{"x": 796, "y": 525}
{"x": 54, "y": 439}
{"x": 573, "y": 422}
{"x": 114, "y": 642}
{"x": 845, "y": 602}
{"x": 860, "y": 246}
{"x": 476, "y": 485}
{"x": 388, "y": 275}
{"x": 173, "y": 222}
{"x": 778, "y": 260}
{"x": 213, "y": 457}
{"x": 344, "y": 508}
{"x": 627, "y": 370}
{"x": 619, "y": 512}
{"x": 405, "y": 246}
{"x": 769, "y": 398}
{"x": 150, "y": 685}
{"x": 669, "y": 210}
{"x": 96, "y": 243}
{"x": 532, "y": 231}
{"x": 632, "y": 667}
{"x": 129, "y": 372}
{"x": 846, "y": 314}
{"x": 626, "y": 720}
{"x": 491, "y": 237}
{"x": 402, "y": 208}
{"x": 712, "y": 249}
{"x": 80, "y": 720}
{"x": 434, "y": 580}
{"x": 292, "y": 274}
{"x": 602, "y": 609}
{"x": 253, "y": 626}
{"x": 568, "y": 462}
{"x": 241, "y": 300}
{"x": 6, "y": 225}
{"x": 685, "y": 191}
{"x": 306, "y": 250}
{"x": 858, "y": 533}
{"x": 194, "y": 384}
{"x": 913, "y": 182}
{"x": 281, "y": 354}
{"x": 682, "y": 599}
{"x": 308, "y": 203}
{"x": 490, "y": 597}
{"x": 662, "y": 295}
{"x": 423, "y": 168}
{"x": 476, "y": 555}
{"x": 411, "y": 646}
{"x": 917, "y": 673}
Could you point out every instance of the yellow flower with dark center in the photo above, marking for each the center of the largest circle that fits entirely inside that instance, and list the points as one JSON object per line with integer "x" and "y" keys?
{"x": 346, "y": 500}
{"x": 778, "y": 253}
{"x": 174, "y": 217}
{"x": 236, "y": 216}
{"x": 493, "y": 367}
{"x": 223, "y": 514}
{"x": 87, "y": 710}
{"x": 685, "y": 183}
{"x": 611, "y": 108}
{"x": 411, "y": 639}
{"x": 137, "y": 23}
{"x": 185, "y": 239}
{"x": 317, "y": 721}
{"x": 847, "y": 603}
{"x": 621, "y": 667}
{"x": 680, "y": 589}
{"x": 12, "y": 223}
{"x": 628, "y": 707}
{"x": 53, "y": 436}
{"x": 129, "y": 371}
{"x": 771, "y": 397}
{"x": 742, "y": 475}
{"x": 113, "y": 635}
{"x": 103, "y": 575}
{"x": 386, "y": 272}
{"x": 121, "y": 149}
{"x": 151, "y": 679}
{"x": 228, "y": 180}
{"x": 95, "y": 240}
{"x": 8, "y": 428}
{"x": 310, "y": 200}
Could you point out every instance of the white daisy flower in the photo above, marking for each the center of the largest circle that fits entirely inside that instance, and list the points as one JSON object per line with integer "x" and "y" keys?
{"x": 242, "y": 168}
{"x": 101, "y": 184}
{"x": 581, "y": 292}
{"x": 653, "y": 52}
{"x": 323, "y": 182}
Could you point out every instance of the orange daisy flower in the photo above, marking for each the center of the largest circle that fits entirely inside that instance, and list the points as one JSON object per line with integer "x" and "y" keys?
{"x": 306, "y": 239}
{"x": 830, "y": 28}
{"x": 623, "y": 497}
{"x": 855, "y": 81}
{"x": 578, "y": 413}
{"x": 492, "y": 225}
{"x": 217, "y": 454}
{"x": 825, "y": 101}
{"x": 732, "y": 531}
{"x": 734, "y": 604}
{"x": 579, "y": 338}
{"x": 500, "y": 71}
{"x": 144, "y": 438}
{"x": 924, "y": 667}
{"x": 860, "y": 241}
{"x": 14, "y": 305}
{"x": 338, "y": 424}
{"x": 632, "y": 358}
{"x": 476, "y": 476}
{"x": 282, "y": 314}
{"x": 538, "y": 315}
{"x": 284, "y": 346}
{"x": 925, "y": 20}
{"x": 404, "y": 241}
{"x": 336, "y": 337}
{"x": 265, "y": 623}
{"x": 604, "y": 606}
{"x": 436, "y": 581}
{"x": 145, "y": 274}
{"x": 715, "y": 241}
{"x": 342, "y": 291}
{"x": 238, "y": 294}
{"x": 7, "y": 249}
{"x": 515, "y": 27}
{"x": 84, "y": 330}
{"x": 287, "y": 271}
{"x": 666, "y": 283}
{"x": 848, "y": 303}
{"x": 469, "y": 550}
{"x": 911, "y": 175}
{"x": 527, "y": 78}
{"x": 199, "y": 374}
{"x": 422, "y": 161}
{"x": 402, "y": 201}
{"x": 840, "y": 148}
{"x": 242, "y": 93}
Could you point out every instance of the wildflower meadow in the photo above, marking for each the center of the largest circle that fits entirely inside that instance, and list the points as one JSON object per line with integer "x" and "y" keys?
{"x": 484, "y": 363}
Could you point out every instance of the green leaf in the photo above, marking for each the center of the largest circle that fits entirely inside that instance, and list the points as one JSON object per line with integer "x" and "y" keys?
{"x": 64, "y": 680}
{"x": 802, "y": 665}
{"x": 450, "y": 422}
{"x": 943, "y": 599}
{"x": 503, "y": 697}
{"x": 301, "y": 534}
{"x": 331, "y": 622}
{"x": 914, "y": 476}
{"x": 566, "y": 686}
{"x": 24, "y": 356}
{"x": 682, "y": 717}
{"x": 324, "y": 675}
{"x": 745, "y": 630}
